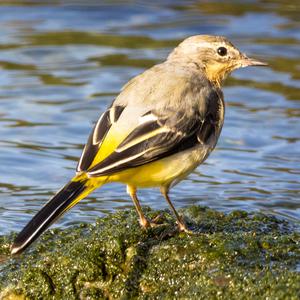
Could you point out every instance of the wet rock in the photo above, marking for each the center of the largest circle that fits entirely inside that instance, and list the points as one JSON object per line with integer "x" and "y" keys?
{"x": 230, "y": 256}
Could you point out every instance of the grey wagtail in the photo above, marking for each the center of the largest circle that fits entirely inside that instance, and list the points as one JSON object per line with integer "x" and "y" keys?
{"x": 162, "y": 125}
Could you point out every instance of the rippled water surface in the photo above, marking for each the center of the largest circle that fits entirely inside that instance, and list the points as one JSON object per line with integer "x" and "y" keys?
{"x": 63, "y": 62}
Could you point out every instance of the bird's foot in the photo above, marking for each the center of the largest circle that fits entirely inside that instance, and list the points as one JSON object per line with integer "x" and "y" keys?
{"x": 182, "y": 227}
{"x": 144, "y": 222}
{"x": 155, "y": 222}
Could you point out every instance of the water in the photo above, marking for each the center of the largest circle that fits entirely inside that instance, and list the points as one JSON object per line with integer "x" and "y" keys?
{"x": 62, "y": 63}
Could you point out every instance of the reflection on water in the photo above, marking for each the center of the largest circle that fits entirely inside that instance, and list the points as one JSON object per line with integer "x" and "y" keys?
{"x": 63, "y": 62}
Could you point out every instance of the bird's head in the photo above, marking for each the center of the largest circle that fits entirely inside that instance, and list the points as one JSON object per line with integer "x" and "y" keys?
{"x": 215, "y": 54}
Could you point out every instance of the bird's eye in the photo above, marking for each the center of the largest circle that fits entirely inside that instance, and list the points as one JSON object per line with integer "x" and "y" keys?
{"x": 222, "y": 51}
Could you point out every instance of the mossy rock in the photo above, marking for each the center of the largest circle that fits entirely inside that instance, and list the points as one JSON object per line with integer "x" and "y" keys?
{"x": 229, "y": 256}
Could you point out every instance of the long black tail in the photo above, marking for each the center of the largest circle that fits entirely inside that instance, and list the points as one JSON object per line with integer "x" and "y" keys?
{"x": 67, "y": 197}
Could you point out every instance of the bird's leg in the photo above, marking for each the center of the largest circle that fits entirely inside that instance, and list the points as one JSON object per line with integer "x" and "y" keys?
{"x": 180, "y": 222}
{"x": 143, "y": 220}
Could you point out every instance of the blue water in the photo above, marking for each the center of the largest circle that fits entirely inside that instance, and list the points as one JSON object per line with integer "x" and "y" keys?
{"x": 63, "y": 62}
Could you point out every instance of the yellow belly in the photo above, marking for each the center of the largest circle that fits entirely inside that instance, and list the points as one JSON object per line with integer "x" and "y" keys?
{"x": 163, "y": 172}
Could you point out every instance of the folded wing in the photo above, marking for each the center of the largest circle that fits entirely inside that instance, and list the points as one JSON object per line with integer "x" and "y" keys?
{"x": 156, "y": 137}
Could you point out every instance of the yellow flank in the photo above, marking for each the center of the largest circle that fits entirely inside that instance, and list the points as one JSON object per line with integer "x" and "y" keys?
{"x": 162, "y": 172}
{"x": 148, "y": 175}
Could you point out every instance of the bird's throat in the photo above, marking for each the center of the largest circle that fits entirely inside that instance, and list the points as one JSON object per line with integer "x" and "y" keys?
{"x": 216, "y": 73}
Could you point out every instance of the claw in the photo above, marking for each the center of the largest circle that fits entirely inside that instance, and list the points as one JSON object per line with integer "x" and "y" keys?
{"x": 145, "y": 223}
{"x": 156, "y": 222}
{"x": 183, "y": 228}
{"x": 158, "y": 219}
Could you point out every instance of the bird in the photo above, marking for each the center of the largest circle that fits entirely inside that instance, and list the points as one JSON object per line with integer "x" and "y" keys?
{"x": 162, "y": 125}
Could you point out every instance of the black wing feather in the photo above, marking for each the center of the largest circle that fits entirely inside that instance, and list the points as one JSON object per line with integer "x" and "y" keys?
{"x": 97, "y": 136}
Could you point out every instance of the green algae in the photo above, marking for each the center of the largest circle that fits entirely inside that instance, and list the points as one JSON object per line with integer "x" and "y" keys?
{"x": 230, "y": 256}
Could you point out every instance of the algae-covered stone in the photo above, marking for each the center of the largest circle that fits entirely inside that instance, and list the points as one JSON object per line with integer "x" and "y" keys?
{"x": 233, "y": 256}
